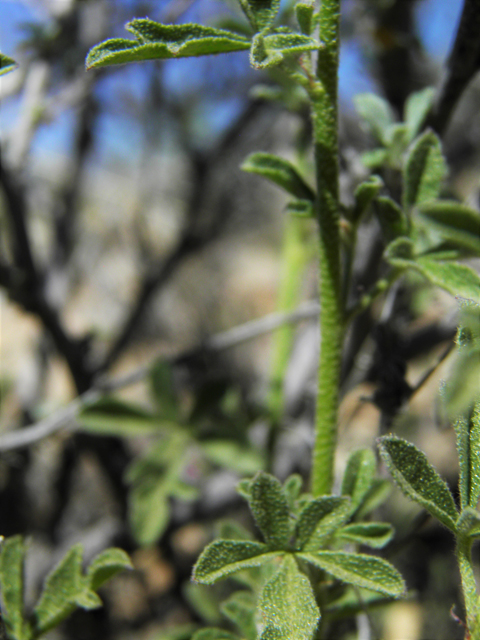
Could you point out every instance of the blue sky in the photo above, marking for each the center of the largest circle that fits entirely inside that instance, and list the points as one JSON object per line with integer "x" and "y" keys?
{"x": 436, "y": 21}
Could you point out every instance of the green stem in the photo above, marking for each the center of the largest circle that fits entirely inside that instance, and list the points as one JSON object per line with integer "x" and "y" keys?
{"x": 325, "y": 129}
{"x": 469, "y": 587}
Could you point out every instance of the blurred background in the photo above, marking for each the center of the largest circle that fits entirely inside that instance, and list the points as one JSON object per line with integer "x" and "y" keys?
{"x": 141, "y": 238}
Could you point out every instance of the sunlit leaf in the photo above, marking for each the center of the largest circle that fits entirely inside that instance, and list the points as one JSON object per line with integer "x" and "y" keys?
{"x": 162, "y": 41}
{"x": 270, "y": 50}
{"x": 424, "y": 171}
{"x": 417, "y": 107}
{"x": 269, "y": 506}
{"x": 304, "y": 13}
{"x": 260, "y": 13}
{"x": 360, "y": 570}
{"x": 7, "y": 64}
{"x": 287, "y": 604}
{"x": 11, "y": 581}
{"x": 417, "y": 478}
{"x": 224, "y": 557}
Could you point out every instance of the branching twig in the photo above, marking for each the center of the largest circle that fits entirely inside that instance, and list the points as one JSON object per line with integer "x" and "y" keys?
{"x": 65, "y": 416}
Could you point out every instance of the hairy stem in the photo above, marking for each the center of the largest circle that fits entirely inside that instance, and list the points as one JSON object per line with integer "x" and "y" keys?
{"x": 464, "y": 558}
{"x": 324, "y": 117}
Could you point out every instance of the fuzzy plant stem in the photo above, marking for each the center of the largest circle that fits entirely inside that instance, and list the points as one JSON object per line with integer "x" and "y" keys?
{"x": 325, "y": 128}
{"x": 464, "y": 557}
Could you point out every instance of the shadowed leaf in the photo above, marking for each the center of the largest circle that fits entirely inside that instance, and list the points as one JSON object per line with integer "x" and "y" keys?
{"x": 281, "y": 172}
{"x": 11, "y": 581}
{"x": 424, "y": 171}
{"x": 370, "y": 534}
{"x": 319, "y": 519}
{"x": 458, "y": 224}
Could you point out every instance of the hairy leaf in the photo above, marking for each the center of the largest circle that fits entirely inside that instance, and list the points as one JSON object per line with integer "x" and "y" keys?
{"x": 11, "y": 581}
{"x": 260, "y": 13}
{"x": 292, "y": 488}
{"x": 240, "y": 609}
{"x": 365, "y": 193}
{"x": 270, "y": 50}
{"x": 359, "y": 475}
{"x": 360, "y": 570}
{"x": 223, "y": 557}
{"x": 424, "y": 171}
{"x": 458, "y": 224}
{"x": 269, "y": 506}
{"x": 288, "y": 605}
{"x": 161, "y": 41}
{"x": 304, "y": 14}
{"x": 393, "y": 221}
{"x": 7, "y": 64}
{"x": 467, "y": 431}
{"x": 319, "y": 519}
{"x": 375, "y": 496}
{"x": 371, "y": 534}
{"x": 376, "y": 112}
{"x": 417, "y": 107}
{"x": 468, "y": 524}
{"x": 106, "y": 565}
{"x": 417, "y": 478}
{"x": 62, "y": 589}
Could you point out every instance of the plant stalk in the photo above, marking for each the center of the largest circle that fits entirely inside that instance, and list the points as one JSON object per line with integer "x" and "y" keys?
{"x": 464, "y": 558}
{"x": 325, "y": 131}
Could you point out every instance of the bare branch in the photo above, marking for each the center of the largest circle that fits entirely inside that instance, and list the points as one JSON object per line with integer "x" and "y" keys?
{"x": 65, "y": 417}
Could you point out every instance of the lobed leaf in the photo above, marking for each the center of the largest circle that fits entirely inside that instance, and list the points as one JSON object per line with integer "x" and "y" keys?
{"x": 11, "y": 582}
{"x": 376, "y": 112}
{"x": 162, "y": 41}
{"x": 224, "y": 557}
{"x": 457, "y": 224}
{"x": 371, "y": 534}
{"x": 359, "y": 475}
{"x": 417, "y": 478}
{"x": 424, "y": 171}
{"x": 106, "y": 565}
{"x": 270, "y": 50}
{"x": 281, "y": 172}
{"x": 7, "y": 64}
{"x": 288, "y": 605}
{"x": 417, "y": 106}
{"x": 319, "y": 519}
{"x": 240, "y": 609}
{"x": 269, "y": 506}
{"x": 360, "y": 570}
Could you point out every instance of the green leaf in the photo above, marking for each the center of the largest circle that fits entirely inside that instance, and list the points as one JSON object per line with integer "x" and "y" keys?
{"x": 417, "y": 478}
{"x": 11, "y": 581}
{"x": 468, "y": 447}
{"x": 161, "y": 41}
{"x": 106, "y": 565}
{"x": 417, "y": 107}
{"x": 375, "y": 158}
{"x": 232, "y": 530}
{"x": 281, "y": 172}
{"x": 365, "y": 193}
{"x": 233, "y": 455}
{"x": 375, "y": 496}
{"x": 359, "y": 476}
{"x": 292, "y": 488}
{"x": 300, "y": 208}
{"x": 240, "y": 609}
{"x": 214, "y": 634}
{"x": 393, "y": 221}
{"x": 468, "y": 524}
{"x": 63, "y": 586}
{"x": 180, "y": 632}
{"x": 457, "y": 279}
{"x": 424, "y": 171}
{"x": 304, "y": 14}
{"x": 270, "y": 50}
{"x": 260, "y": 13}
{"x": 319, "y": 519}
{"x": 354, "y": 601}
{"x": 376, "y": 112}
{"x": 224, "y": 557}
{"x": 457, "y": 224}
{"x": 288, "y": 606}
{"x": 371, "y": 534}
{"x": 88, "y": 600}
{"x": 475, "y": 456}
{"x": 111, "y": 416}
{"x": 7, "y": 64}
{"x": 269, "y": 506}
{"x": 163, "y": 389}
{"x": 360, "y": 570}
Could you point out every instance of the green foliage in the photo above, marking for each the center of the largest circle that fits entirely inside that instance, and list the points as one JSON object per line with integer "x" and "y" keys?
{"x": 260, "y": 13}
{"x": 65, "y": 588}
{"x": 7, "y": 64}
{"x": 456, "y": 224}
{"x": 279, "y": 171}
{"x": 272, "y": 49}
{"x": 424, "y": 171}
{"x": 160, "y": 41}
